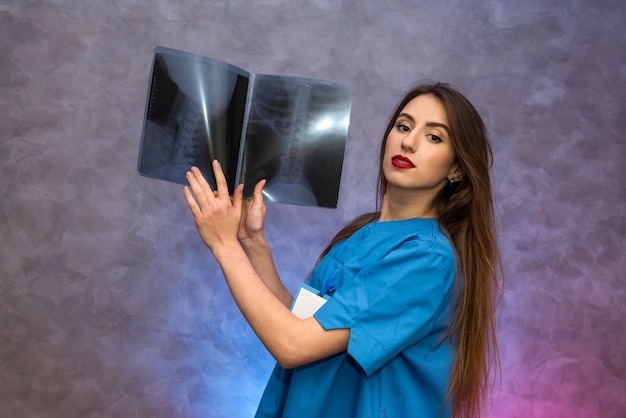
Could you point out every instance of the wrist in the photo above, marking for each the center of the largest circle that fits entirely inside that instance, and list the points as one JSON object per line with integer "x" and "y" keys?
{"x": 225, "y": 251}
{"x": 253, "y": 241}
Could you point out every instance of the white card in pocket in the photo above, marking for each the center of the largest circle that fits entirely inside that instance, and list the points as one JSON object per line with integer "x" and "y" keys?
{"x": 307, "y": 301}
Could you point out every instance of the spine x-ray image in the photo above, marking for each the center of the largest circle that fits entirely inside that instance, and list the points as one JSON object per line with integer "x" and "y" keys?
{"x": 288, "y": 130}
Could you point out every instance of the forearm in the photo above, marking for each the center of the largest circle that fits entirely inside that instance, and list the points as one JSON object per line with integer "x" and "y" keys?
{"x": 290, "y": 340}
{"x": 258, "y": 252}
{"x": 218, "y": 216}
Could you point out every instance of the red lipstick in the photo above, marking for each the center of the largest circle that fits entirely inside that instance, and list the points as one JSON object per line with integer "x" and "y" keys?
{"x": 400, "y": 161}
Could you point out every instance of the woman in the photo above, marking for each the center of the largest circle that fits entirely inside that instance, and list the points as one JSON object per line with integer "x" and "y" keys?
{"x": 409, "y": 330}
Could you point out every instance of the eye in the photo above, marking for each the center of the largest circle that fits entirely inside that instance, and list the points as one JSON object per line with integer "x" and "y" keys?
{"x": 434, "y": 138}
{"x": 402, "y": 127}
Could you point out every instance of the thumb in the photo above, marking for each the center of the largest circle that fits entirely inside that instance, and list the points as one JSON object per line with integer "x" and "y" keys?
{"x": 258, "y": 191}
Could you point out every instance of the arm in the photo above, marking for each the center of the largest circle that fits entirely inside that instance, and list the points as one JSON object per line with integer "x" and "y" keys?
{"x": 260, "y": 257}
{"x": 291, "y": 341}
{"x": 252, "y": 239}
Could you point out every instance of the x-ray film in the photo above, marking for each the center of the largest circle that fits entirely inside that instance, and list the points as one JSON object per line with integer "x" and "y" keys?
{"x": 290, "y": 131}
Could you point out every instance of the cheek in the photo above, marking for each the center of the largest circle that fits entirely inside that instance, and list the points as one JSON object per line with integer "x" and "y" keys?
{"x": 443, "y": 156}
{"x": 393, "y": 144}
{"x": 388, "y": 149}
{"x": 447, "y": 163}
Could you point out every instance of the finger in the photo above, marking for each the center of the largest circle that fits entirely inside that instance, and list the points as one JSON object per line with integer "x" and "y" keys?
{"x": 257, "y": 196}
{"x": 195, "y": 189}
{"x": 220, "y": 180}
{"x": 238, "y": 197}
{"x": 203, "y": 185}
{"x": 191, "y": 201}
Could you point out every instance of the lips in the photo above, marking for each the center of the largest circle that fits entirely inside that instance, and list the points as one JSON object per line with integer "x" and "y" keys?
{"x": 401, "y": 161}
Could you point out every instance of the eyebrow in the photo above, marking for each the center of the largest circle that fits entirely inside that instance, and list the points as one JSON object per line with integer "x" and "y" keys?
{"x": 429, "y": 124}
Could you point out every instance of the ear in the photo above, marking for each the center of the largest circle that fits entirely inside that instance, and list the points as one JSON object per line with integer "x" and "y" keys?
{"x": 455, "y": 174}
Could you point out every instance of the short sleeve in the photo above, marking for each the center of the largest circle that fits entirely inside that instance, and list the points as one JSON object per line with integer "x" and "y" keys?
{"x": 392, "y": 303}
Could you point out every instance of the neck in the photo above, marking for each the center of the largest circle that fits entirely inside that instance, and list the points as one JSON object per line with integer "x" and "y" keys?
{"x": 399, "y": 205}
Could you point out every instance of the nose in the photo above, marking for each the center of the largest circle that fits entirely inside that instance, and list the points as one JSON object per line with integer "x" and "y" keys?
{"x": 409, "y": 142}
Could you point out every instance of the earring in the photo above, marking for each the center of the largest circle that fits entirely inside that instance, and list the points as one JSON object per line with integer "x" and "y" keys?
{"x": 451, "y": 182}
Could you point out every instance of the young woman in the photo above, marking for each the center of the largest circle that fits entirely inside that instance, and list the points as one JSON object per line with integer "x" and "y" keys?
{"x": 409, "y": 330}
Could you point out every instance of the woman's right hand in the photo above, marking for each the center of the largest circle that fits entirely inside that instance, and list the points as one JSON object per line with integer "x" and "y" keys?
{"x": 253, "y": 217}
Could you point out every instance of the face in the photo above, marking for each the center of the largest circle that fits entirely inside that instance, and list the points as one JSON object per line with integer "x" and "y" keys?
{"x": 419, "y": 157}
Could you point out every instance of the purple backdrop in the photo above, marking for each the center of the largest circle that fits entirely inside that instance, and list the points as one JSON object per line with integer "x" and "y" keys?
{"x": 111, "y": 307}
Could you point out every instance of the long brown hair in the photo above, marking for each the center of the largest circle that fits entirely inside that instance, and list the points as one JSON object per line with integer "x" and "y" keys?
{"x": 465, "y": 210}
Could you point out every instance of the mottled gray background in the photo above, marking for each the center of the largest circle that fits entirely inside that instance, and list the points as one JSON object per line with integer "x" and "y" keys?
{"x": 111, "y": 307}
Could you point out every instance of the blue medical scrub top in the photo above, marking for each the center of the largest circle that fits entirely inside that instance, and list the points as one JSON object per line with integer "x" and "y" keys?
{"x": 395, "y": 291}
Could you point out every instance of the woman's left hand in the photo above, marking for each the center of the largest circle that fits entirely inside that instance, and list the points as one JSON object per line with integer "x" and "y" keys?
{"x": 216, "y": 214}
